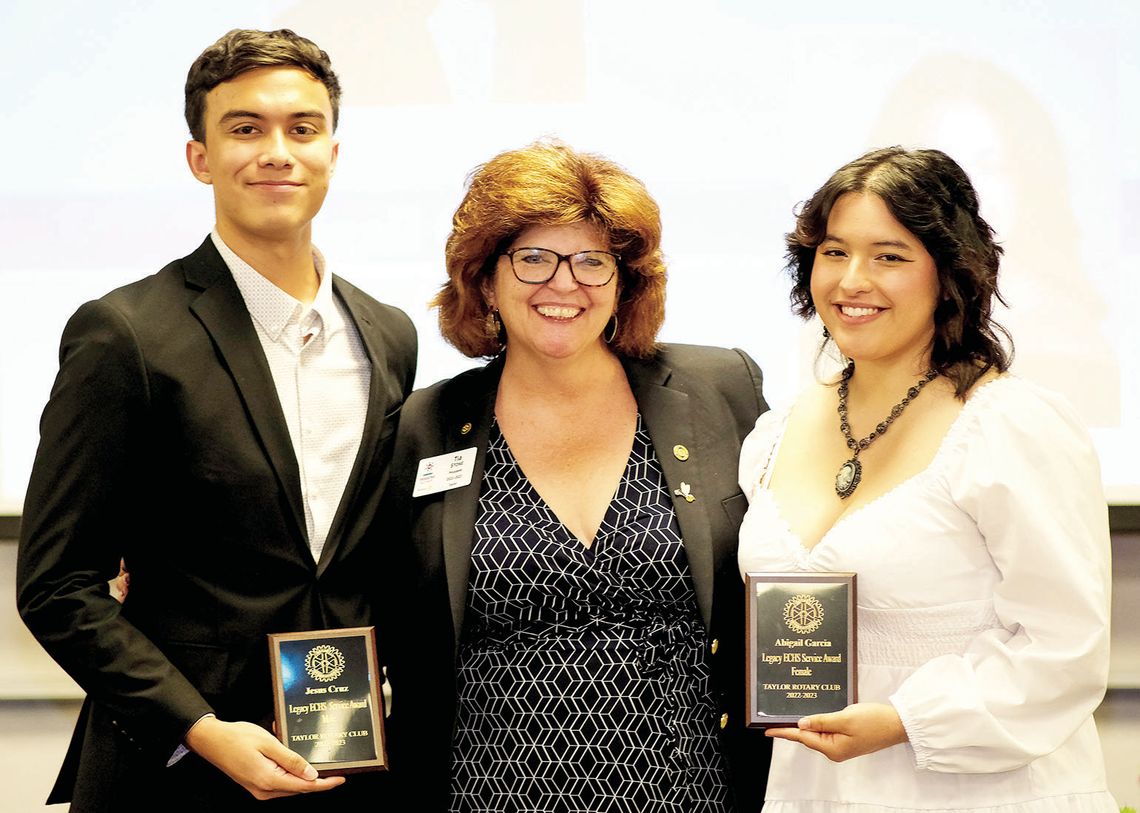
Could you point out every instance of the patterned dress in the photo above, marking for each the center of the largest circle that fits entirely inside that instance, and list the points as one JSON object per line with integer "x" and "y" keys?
{"x": 582, "y": 679}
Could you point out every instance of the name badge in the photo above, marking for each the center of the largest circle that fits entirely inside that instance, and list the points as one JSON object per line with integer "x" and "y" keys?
{"x": 444, "y": 472}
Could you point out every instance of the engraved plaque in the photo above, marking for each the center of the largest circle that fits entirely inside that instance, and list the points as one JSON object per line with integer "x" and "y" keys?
{"x": 800, "y": 646}
{"x": 327, "y": 698}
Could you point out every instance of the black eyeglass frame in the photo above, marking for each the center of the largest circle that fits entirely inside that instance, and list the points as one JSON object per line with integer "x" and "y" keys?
{"x": 510, "y": 255}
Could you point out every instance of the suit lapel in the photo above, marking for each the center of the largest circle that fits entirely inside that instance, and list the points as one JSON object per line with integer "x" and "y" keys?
{"x": 476, "y": 410}
{"x": 373, "y": 417}
{"x": 221, "y": 310}
{"x": 667, "y": 413}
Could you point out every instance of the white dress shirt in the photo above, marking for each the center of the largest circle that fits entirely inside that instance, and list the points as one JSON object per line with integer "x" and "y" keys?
{"x": 322, "y": 375}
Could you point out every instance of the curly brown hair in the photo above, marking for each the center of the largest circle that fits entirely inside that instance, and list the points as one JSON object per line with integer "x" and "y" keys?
{"x": 243, "y": 50}
{"x": 547, "y": 183}
{"x": 931, "y": 195}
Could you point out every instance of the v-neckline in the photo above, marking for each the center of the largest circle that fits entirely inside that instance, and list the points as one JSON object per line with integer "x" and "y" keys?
{"x": 608, "y": 521}
{"x": 846, "y": 517}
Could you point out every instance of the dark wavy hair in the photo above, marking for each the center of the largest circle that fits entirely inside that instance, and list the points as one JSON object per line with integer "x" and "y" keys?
{"x": 928, "y": 193}
{"x": 243, "y": 50}
{"x": 547, "y": 184}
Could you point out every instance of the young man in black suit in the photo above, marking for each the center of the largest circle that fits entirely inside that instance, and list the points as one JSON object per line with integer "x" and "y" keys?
{"x": 225, "y": 427}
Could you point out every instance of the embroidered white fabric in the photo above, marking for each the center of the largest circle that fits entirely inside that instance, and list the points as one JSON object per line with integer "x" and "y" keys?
{"x": 983, "y": 604}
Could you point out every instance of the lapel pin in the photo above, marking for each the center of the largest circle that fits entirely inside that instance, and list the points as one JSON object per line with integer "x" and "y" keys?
{"x": 684, "y": 492}
{"x": 680, "y": 452}
{"x": 465, "y": 429}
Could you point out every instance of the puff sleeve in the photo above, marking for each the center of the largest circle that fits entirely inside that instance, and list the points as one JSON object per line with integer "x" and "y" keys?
{"x": 759, "y": 449}
{"x": 1031, "y": 483}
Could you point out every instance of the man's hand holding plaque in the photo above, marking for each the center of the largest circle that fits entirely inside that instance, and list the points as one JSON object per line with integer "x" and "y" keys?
{"x": 800, "y": 647}
{"x": 327, "y": 699}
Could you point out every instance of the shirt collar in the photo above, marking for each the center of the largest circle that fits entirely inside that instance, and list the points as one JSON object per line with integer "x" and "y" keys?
{"x": 274, "y": 309}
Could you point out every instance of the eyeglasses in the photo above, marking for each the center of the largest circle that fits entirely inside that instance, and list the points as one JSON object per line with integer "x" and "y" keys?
{"x": 534, "y": 266}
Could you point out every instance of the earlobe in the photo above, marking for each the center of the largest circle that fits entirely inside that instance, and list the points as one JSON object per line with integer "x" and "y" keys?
{"x": 196, "y": 160}
{"x": 487, "y": 288}
{"x": 335, "y": 154}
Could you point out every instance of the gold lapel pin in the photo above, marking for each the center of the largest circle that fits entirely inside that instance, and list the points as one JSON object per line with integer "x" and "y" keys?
{"x": 465, "y": 429}
{"x": 684, "y": 492}
{"x": 680, "y": 452}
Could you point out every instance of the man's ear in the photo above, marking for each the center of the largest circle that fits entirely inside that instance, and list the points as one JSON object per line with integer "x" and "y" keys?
{"x": 196, "y": 159}
{"x": 335, "y": 154}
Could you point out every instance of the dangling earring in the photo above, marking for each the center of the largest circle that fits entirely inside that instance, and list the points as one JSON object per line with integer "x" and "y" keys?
{"x": 611, "y": 328}
{"x": 826, "y": 333}
{"x": 495, "y": 328}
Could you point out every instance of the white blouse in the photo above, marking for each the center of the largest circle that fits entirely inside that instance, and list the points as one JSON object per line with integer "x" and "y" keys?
{"x": 983, "y": 610}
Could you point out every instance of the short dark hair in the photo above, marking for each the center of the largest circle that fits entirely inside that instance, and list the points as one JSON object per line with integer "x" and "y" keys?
{"x": 931, "y": 195}
{"x": 243, "y": 50}
{"x": 547, "y": 183}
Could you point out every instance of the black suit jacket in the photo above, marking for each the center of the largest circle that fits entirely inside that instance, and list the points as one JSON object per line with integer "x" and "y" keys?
{"x": 164, "y": 443}
{"x": 705, "y": 399}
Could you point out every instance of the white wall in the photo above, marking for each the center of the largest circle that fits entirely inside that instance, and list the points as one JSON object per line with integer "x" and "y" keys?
{"x": 731, "y": 111}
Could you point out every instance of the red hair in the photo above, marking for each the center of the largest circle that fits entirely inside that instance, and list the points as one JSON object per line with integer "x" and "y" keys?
{"x": 549, "y": 184}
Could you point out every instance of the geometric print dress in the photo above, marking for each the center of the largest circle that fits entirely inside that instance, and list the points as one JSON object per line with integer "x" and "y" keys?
{"x": 582, "y": 677}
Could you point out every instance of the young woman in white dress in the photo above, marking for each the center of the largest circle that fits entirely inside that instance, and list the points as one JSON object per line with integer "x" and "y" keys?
{"x": 967, "y": 500}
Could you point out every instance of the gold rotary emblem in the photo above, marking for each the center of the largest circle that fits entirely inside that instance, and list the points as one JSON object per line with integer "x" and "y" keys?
{"x": 803, "y": 614}
{"x": 324, "y": 663}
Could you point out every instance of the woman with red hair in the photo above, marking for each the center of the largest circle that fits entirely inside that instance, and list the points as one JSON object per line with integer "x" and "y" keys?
{"x": 573, "y": 527}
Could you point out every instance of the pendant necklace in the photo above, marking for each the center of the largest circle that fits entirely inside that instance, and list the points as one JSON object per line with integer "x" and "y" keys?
{"x": 851, "y": 473}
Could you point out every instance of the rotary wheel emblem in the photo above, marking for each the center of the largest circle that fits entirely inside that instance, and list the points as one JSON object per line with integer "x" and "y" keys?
{"x": 803, "y": 614}
{"x": 324, "y": 663}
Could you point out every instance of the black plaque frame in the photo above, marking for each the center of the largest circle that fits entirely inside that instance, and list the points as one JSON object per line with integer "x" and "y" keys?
{"x": 327, "y": 699}
{"x": 775, "y": 695}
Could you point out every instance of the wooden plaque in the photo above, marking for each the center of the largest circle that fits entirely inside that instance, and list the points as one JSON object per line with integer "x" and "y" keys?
{"x": 327, "y": 699}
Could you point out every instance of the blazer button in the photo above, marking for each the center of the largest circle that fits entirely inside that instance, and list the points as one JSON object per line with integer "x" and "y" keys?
{"x": 724, "y": 720}
{"x": 714, "y": 646}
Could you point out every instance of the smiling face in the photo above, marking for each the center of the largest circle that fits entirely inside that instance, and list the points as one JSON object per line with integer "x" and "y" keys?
{"x": 874, "y": 284}
{"x": 558, "y": 319}
{"x": 269, "y": 154}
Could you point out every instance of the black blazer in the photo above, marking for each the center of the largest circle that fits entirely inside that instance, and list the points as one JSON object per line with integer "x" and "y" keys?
{"x": 705, "y": 399}
{"x": 164, "y": 443}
